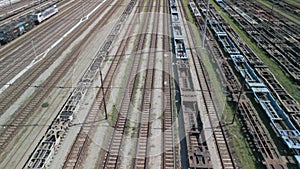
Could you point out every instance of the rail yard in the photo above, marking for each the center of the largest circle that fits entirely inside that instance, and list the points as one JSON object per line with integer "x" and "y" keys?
{"x": 149, "y": 84}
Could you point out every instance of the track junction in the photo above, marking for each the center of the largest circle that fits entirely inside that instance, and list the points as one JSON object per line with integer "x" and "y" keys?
{"x": 124, "y": 84}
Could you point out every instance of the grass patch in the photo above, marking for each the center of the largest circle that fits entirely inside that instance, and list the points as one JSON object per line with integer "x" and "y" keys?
{"x": 134, "y": 132}
{"x": 241, "y": 147}
{"x": 293, "y": 2}
{"x": 136, "y": 86}
{"x": 282, "y": 12}
{"x": 207, "y": 61}
{"x": 44, "y": 105}
{"x": 239, "y": 142}
{"x": 113, "y": 115}
{"x": 145, "y": 6}
{"x": 282, "y": 78}
{"x": 160, "y": 117}
{"x": 188, "y": 16}
{"x": 127, "y": 127}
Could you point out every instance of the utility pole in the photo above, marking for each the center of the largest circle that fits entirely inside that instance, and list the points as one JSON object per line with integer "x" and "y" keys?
{"x": 82, "y": 8}
{"x": 11, "y": 5}
{"x": 239, "y": 98}
{"x": 33, "y": 48}
{"x": 205, "y": 25}
{"x": 105, "y": 110}
{"x": 271, "y": 15}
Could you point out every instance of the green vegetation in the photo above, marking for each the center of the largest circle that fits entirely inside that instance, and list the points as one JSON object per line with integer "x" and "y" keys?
{"x": 134, "y": 132}
{"x": 113, "y": 115}
{"x": 136, "y": 86}
{"x": 215, "y": 81}
{"x": 294, "y": 2}
{"x": 242, "y": 148}
{"x": 188, "y": 16}
{"x": 207, "y": 61}
{"x": 127, "y": 127}
{"x": 144, "y": 5}
{"x": 160, "y": 117}
{"x": 282, "y": 78}
{"x": 239, "y": 142}
{"x": 109, "y": 59}
{"x": 282, "y": 12}
{"x": 44, "y": 105}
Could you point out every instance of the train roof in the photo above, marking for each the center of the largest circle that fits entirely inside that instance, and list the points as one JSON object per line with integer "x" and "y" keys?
{"x": 44, "y": 8}
{"x": 298, "y": 159}
{"x": 17, "y": 22}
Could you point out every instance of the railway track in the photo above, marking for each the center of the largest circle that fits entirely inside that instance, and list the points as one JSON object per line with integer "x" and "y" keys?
{"x": 287, "y": 101}
{"x": 261, "y": 141}
{"x": 22, "y": 115}
{"x": 15, "y": 10}
{"x": 79, "y": 148}
{"x": 228, "y": 78}
{"x": 254, "y": 129}
{"x": 38, "y": 33}
{"x": 194, "y": 147}
{"x": 70, "y": 109}
{"x": 272, "y": 33}
{"x": 269, "y": 153}
{"x": 113, "y": 155}
{"x": 169, "y": 149}
{"x": 263, "y": 144}
{"x": 141, "y": 159}
{"x": 36, "y": 43}
{"x": 10, "y": 69}
{"x": 287, "y": 6}
{"x": 219, "y": 131}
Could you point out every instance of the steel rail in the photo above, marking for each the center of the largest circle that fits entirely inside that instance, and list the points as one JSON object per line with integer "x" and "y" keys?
{"x": 142, "y": 146}
{"x": 169, "y": 149}
{"x": 112, "y": 155}
{"x": 219, "y": 132}
{"x": 80, "y": 147}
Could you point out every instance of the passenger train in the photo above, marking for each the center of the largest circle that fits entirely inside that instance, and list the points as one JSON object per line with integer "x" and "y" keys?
{"x": 16, "y": 28}
{"x": 42, "y": 15}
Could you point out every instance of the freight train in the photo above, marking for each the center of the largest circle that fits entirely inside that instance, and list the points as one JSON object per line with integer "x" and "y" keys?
{"x": 178, "y": 37}
{"x": 16, "y": 28}
{"x": 280, "y": 120}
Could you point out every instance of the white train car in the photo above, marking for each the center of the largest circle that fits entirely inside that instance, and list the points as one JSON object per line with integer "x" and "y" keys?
{"x": 44, "y": 14}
